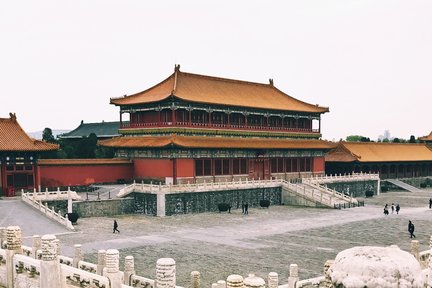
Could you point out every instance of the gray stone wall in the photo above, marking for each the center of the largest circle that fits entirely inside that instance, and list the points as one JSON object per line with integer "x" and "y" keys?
{"x": 356, "y": 189}
{"x": 184, "y": 203}
{"x": 145, "y": 203}
{"x": 104, "y": 208}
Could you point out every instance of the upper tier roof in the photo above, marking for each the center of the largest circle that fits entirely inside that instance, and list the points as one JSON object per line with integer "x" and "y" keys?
{"x": 214, "y": 142}
{"x": 379, "y": 152}
{"x": 219, "y": 91}
{"x": 13, "y": 138}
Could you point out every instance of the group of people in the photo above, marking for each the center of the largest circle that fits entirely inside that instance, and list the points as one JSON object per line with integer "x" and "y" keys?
{"x": 393, "y": 209}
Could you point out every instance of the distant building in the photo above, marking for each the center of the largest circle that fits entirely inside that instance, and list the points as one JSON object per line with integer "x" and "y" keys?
{"x": 18, "y": 157}
{"x": 390, "y": 160}
{"x": 195, "y": 128}
{"x": 102, "y": 130}
{"x": 427, "y": 139}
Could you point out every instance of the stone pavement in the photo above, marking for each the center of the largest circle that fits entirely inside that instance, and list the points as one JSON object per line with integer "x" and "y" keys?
{"x": 266, "y": 240}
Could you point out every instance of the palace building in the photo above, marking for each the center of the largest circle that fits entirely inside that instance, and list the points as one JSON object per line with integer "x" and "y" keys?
{"x": 195, "y": 128}
{"x": 390, "y": 160}
{"x": 18, "y": 157}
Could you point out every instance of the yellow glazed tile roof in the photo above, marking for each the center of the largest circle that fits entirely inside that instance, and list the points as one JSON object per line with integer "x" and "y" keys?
{"x": 214, "y": 90}
{"x": 214, "y": 142}
{"x": 13, "y": 138}
{"x": 379, "y": 152}
{"x": 426, "y": 138}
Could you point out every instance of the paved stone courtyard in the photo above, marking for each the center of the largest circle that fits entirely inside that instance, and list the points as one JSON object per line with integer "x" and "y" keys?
{"x": 220, "y": 244}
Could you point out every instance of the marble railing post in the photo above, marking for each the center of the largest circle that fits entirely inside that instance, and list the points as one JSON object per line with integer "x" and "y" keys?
{"x": 101, "y": 262}
{"x": 221, "y": 284}
{"x": 36, "y": 245}
{"x": 129, "y": 269}
{"x": 293, "y": 275}
{"x": 273, "y": 280}
{"x": 415, "y": 249}
{"x": 253, "y": 281}
{"x": 49, "y": 266}
{"x": 78, "y": 256}
{"x": 195, "y": 279}
{"x": 165, "y": 273}
{"x": 234, "y": 281}
{"x": 160, "y": 203}
{"x": 58, "y": 246}
{"x": 429, "y": 278}
{"x": 111, "y": 270}
{"x": 2, "y": 237}
{"x": 13, "y": 242}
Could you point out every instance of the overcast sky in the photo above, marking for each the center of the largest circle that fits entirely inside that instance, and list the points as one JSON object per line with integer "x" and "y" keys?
{"x": 368, "y": 61}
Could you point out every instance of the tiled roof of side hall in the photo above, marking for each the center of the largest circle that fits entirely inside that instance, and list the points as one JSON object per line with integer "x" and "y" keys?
{"x": 219, "y": 91}
{"x": 14, "y": 138}
{"x": 426, "y": 138}
{"x": 93, "y": 161}
{"x": 379, "y": 152}
{"x": 214, "y": 142}
{"x": 101, "y": 129}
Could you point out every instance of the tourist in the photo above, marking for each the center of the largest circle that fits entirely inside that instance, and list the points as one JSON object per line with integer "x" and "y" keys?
{"x": 411, "y": 229}
{"x": 115, "y": 227}
{"x": 243, "y": 208}
{"x": 246, "y": 206}
{"x": 386, "y": 212}
{"x": 393, "y": 207}
{"x": 397, "y": 208}
{"x": 430, "y": 203}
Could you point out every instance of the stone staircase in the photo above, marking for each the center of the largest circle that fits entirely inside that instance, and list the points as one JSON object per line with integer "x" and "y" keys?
{"x": 403, "y": 185}
{"x": 317, "y": 195}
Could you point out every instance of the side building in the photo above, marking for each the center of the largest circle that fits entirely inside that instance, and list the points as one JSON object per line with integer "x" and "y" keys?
{"x": 19, "y": 157}
{"x": 196, "y": 128}
{"x": 390, "y": 160}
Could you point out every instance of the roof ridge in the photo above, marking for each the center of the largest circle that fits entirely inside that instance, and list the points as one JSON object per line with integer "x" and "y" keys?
{"x": 226, "y": 79}
{"x": 141, "y": 92}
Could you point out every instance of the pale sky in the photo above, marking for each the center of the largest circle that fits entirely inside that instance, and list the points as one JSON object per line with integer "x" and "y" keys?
{"x": 370, "y": 62}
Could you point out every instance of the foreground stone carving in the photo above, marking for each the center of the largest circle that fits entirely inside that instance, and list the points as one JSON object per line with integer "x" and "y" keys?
{"x": 357, "y": 267}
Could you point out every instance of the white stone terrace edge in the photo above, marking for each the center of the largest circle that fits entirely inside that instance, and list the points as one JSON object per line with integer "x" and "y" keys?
{"x": 50, "y": 213}
{"x": 52, "y": 195}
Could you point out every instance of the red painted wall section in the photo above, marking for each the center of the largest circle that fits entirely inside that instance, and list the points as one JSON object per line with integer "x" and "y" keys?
{"x": 78, "y": 175}
{"x": 153, "y": 168}
{"x": 318, "y": 165}
{"x": 185, "y": 167}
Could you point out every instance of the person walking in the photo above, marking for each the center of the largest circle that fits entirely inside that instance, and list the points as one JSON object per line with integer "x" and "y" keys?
{"x": 430, "y": 203}
{"x": 386, "y": 210}
{"x": 393, "y": 207}
{"x": 411, "y": 229}
{"x": 243, "y": 208}
{"x": 397, "y": 208}
{"x": 246, "y": 208}
{"x": 115, "y": 228}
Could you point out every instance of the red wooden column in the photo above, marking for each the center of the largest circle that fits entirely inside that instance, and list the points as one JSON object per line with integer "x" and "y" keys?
{"x": 3, "y": 179}
{"x": 173, "y": 117}
{"x": 36, "y": 175}
{"x": 190, "y": 116}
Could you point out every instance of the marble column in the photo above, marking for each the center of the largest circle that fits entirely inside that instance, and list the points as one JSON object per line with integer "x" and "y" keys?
{"x": 165, "y": 273}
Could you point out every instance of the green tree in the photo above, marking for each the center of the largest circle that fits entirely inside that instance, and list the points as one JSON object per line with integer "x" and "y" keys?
{"x": 412, "y": 139}
{"x": 357, "y": 138}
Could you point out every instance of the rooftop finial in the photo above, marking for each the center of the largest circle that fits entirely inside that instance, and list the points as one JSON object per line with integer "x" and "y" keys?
{"x": 271, "y": 81}
{"x": 177, "y": 68}
{"x": 12, "y": 116}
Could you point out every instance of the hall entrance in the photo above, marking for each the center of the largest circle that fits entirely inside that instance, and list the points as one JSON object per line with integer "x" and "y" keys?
{"x": 259, "y": 169}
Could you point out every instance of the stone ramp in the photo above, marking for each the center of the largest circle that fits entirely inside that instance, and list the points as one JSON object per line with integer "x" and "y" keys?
{"x": 403, "y": 185}
{"x": 14, "y": 212}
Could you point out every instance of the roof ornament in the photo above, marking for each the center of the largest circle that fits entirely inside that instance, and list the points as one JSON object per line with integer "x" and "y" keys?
{"x": 12, "y": 116}
{"x": 271, "y": 82}
{"x": 177, "y": 68}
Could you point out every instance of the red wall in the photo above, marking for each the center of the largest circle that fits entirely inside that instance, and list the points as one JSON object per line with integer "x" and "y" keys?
{"x": 318, "y": 165}
{"x": 76, "y": 175}
{"x": 153, "y": 168}
{"x": 185, "y": 167}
